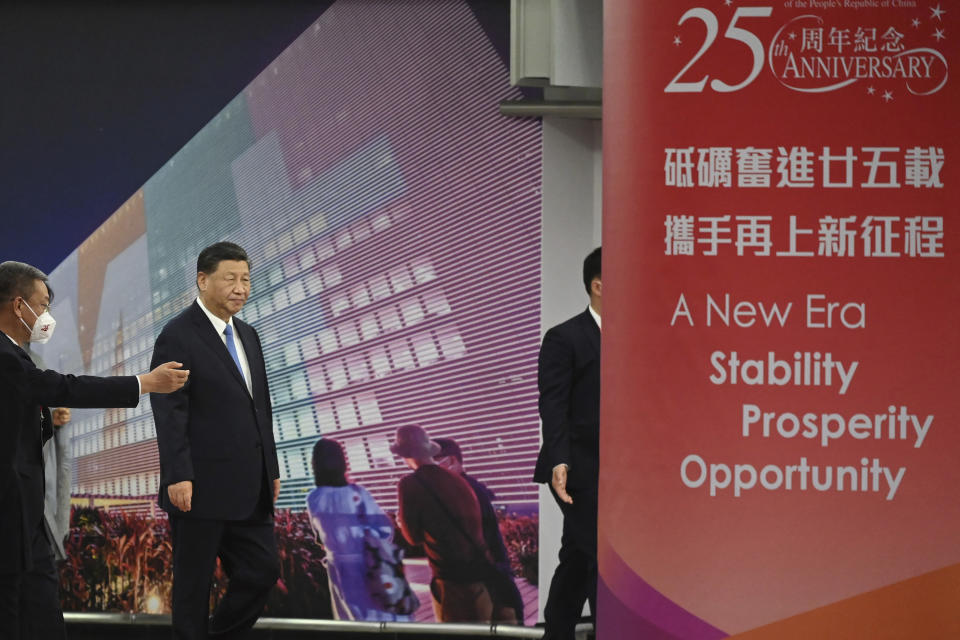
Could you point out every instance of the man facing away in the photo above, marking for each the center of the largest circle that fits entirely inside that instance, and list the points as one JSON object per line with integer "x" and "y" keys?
{"x": 439, "y": 510}
{"x": 219, "y": 476}
{"x": 29, "y": 598}
{"x": 508, "y": 603}
{"x": 568, "y": 377}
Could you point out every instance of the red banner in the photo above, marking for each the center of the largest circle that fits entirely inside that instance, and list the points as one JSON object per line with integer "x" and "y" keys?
{"x": 779, "y": 440}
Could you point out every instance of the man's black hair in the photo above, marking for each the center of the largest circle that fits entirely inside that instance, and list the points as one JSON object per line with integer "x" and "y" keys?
{"x": 449, "y": 447}
{"x": 18, "y": 279}
{"x": 591, "y": 268}
{"x": 211, "y": 257}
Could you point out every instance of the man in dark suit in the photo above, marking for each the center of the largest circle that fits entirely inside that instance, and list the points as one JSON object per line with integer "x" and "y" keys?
{"x": 29, "y": 599}
{"x": 219, "y": 475}
{"x": 568, "y": 377}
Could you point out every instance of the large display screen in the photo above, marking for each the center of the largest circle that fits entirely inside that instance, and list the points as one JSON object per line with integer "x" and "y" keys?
{"x": 392, "y": 217}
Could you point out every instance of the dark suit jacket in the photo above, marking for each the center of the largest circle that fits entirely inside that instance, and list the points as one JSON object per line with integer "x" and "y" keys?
{"x": 26, "y": 392}
{"x": 568, "y": 376}
{"x": 212, "y": 431}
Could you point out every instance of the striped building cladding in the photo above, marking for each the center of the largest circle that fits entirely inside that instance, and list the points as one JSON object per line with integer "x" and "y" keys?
{"x": 392, "y": 217}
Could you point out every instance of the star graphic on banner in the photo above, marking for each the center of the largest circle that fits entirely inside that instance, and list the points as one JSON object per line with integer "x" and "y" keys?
{"x": 938, "y": 34}
{"x": 871, "y": 90}
{"x": 792, "y": 35}
{"x": 887, "y": 96}
{"x": 936, "y": 12}
{"x": 677, "y": 41}
{"x": 916, "y": 23}
{"x": 728, "y": 2}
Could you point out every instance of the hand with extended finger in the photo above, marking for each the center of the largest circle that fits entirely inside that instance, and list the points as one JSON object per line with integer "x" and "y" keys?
{"x": 166, "y": 378}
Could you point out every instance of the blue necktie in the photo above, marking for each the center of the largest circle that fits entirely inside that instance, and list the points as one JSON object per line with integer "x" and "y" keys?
{"x": 232, "y": 348}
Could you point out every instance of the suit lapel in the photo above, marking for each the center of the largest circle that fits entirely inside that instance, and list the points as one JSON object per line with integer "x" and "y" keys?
{"x": 209, "y": 336}
{"x": 591, "y": 330}
{"x": 254, "y": 360}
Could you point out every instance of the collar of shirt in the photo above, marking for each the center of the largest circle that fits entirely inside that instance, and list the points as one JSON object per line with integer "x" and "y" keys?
{"x": 11, "y": 339}
{"x": 218, "y": 324}
{"x": 596, "y": 316}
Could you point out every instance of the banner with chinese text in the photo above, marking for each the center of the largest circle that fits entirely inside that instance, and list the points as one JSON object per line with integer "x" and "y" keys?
{"x": 779, "y": 447}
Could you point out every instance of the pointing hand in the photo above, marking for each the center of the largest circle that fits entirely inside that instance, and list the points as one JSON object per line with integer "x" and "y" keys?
{"x": 166, "y": 378}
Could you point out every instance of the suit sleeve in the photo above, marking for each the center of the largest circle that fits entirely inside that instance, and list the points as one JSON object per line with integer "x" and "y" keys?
{"x": 171, "y": 414}
{"x": 554, "y": 380}
{"x": 273, "y": 470}
{"x": 52, "y": 389}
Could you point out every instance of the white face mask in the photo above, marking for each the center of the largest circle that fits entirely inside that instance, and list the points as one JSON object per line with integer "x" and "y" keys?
{"x": 42, "y": 329}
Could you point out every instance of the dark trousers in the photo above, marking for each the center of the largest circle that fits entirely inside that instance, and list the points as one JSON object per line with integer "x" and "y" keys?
{"x": 575, "y": 579}
{"x": 248, "y": 552}
{"x": 30, "y": 600}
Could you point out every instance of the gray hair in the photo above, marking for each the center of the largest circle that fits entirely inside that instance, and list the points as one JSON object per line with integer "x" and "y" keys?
{"x": 18, "y": 278}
